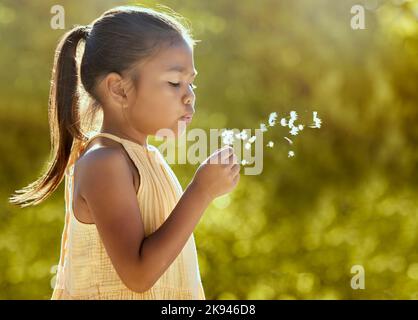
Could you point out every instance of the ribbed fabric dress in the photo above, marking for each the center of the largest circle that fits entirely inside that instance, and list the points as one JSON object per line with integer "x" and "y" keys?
{"x": 85, "y": 270}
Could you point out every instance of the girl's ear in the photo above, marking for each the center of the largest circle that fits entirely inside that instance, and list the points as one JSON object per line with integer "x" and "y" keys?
{"x": 115, "y": 88}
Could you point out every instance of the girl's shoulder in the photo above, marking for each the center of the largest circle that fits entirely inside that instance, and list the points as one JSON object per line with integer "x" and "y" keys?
{"x": 101, "y": 163}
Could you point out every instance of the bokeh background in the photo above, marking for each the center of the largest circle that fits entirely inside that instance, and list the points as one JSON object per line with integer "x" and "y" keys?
{"x": 348, "y": 197}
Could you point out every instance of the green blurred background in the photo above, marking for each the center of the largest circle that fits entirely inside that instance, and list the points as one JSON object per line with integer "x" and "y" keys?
{"x": 348, "y": 197}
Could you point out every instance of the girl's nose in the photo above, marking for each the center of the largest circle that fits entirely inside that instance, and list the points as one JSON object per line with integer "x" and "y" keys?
{"x": 188, "y": 99}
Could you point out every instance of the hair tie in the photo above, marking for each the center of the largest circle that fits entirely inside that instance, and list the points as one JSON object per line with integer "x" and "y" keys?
{"x": 86, "y": 31}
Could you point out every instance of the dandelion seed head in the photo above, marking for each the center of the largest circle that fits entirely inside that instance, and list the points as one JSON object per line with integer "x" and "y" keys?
{"x": 228, "y": 137}
{"x": 270, "y": 144}
{"x": 225, "y": 132}
{"x": 290, "y": 154}
{"x": 241, "y": 135}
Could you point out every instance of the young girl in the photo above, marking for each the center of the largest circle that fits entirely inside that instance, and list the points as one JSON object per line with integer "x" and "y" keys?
{"x": 128, "y": 230}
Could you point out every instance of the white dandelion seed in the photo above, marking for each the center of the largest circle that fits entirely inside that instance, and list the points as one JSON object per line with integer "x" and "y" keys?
{"x": 272, "y": 119}
{"x": 244, "y": 162}
{"x": 252, "y": 139}
{"x": 290, "y": 123}
{"x": 227, "y": 132}
{"x": 248, "y": 146}
{"x": 228, "y": 137}
{"x": 293, "y": 115}
{"x": 242, "y": 135}
{"x": 228, "y": 140}
{"x": 224, "y": 132}
{"x": 317, "y": 121}
{"x": 290, "y": 141}
{"x": 294, "y": 131}
{"x": 283, "y": 122}
{"x": 300, "y": 127}
{"x": 290, "y": 154}
{"x": 263, "y": 127}
{"x": 270, "y": 144}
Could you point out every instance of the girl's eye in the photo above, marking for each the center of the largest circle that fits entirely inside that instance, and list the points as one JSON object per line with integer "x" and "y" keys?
{"x": 178, "y": 84}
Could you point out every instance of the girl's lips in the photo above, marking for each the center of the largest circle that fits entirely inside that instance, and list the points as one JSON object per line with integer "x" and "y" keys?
{"x": 187, "y": 119}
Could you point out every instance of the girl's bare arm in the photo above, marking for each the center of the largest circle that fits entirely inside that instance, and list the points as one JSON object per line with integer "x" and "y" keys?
{"x": 159, "y": 249}
{"x": 107, "y": 186}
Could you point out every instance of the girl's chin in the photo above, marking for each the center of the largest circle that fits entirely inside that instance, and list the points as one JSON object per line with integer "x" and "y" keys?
{"x": 176, "y": 131}
{"x": 181, "y": 127}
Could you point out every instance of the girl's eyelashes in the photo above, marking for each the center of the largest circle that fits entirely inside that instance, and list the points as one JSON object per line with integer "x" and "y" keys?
{"x": 176, "y": 84}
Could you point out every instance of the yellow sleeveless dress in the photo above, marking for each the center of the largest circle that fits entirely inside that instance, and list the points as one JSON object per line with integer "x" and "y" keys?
{"x": 85, "y": 270}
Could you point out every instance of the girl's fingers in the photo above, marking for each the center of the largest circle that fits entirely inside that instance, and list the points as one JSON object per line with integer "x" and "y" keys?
{"x": 236, "y": 179}
{"x": 224, "y": 154}
{"x": 232, "y": 159}
{"x": 235, "y": 169}
{"x": 219, "y": 154}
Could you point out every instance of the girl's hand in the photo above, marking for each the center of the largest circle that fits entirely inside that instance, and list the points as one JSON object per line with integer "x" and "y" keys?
{"x": 218, "y": 174}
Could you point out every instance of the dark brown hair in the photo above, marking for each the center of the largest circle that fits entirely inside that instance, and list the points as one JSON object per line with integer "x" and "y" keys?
{"x": 114, "y": 42}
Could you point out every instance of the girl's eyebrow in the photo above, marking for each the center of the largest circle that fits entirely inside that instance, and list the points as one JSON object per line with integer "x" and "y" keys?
{"x": 181, "y": 69}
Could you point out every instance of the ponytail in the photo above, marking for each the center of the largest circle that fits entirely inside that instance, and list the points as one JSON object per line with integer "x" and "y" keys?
{"x": 64, "y": 119}
{"x": 115, "y": 42}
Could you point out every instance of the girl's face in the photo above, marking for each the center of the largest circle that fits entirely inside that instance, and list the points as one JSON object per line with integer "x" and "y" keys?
{"x": 164, "y": 92}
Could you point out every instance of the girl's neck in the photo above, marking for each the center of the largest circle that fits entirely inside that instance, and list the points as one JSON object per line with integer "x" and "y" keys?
{"x": 138, "y": 137}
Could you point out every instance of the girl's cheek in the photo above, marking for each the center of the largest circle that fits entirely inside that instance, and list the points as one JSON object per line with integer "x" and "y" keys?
{"x": 170, "y": 93}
